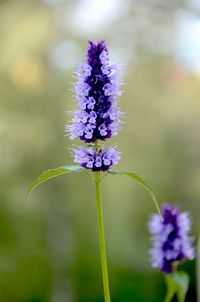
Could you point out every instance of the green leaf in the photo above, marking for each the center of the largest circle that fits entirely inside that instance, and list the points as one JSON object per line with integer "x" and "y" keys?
{"x": 182, "y": 279}
{"x": 48, "y": 174}
{"x": 143, "y": 182}
{"x": 171, "y": 288}
{"x": 177, "y": 283}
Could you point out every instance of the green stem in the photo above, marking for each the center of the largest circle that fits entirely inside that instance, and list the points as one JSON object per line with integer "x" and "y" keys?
{"x": 169, "y": 296}
{"x": 102, "y": 239}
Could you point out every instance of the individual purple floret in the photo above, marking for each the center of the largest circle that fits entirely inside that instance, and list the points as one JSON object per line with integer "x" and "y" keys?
{"x": 96, "y": 161}
{"x": 96, "y": 90}
{"x": 171, "y": 242}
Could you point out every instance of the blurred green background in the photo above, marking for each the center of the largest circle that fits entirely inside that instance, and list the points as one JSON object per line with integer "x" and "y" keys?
{"x": 50, "y": 251}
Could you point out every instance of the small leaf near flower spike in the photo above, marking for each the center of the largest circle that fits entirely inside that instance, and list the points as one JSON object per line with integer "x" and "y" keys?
{"x": 177, "y": 283}
{"x": 143, "y": 182}
{"x": 51, "y": 173}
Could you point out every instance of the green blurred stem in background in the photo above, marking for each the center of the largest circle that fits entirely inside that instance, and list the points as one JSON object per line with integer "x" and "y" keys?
{"x": 102, "y": 238}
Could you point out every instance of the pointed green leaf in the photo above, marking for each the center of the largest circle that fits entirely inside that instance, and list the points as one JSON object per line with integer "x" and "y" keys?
{"x": 177, "y": 283}
{"x": 143, "y": 182}
{"x": 48, "y": 174}
{"x": 171, "y": 288}
{"x": 182, "y": 279}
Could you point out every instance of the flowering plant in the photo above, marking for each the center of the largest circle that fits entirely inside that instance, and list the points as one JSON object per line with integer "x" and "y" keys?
{"x": 97, "y": 119}
{"x": 171, "y": 245}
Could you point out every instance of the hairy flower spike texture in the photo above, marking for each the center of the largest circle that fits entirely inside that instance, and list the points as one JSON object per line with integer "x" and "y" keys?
{"x": 98, "y": 117}
{"x": 171, "y": 242}
{"x": 96, "y": 161}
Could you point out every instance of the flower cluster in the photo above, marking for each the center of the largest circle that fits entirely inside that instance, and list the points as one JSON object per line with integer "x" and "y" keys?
{"x": 96, "y": 90}
{"x": 171, "y": 242}
{"x": 96, "y": 161}
{"x": 98, "y": 117}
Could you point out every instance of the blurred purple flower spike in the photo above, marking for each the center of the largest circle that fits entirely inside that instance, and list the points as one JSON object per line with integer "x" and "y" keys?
{"x": 171, "y": 242}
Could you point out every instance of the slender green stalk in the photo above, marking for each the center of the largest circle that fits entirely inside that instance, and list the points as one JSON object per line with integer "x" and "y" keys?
{"x": 169, "y": 296}
{"x": 102, "y": 239}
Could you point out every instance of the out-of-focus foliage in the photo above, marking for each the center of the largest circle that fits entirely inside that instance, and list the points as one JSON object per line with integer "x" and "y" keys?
{"x": 50, "y": 252}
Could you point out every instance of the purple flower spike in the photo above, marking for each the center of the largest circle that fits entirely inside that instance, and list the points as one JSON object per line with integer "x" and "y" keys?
{"x": 97, "y": 87}
{"x": 171, "y": 242}
{"x": 96, "y": 161}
